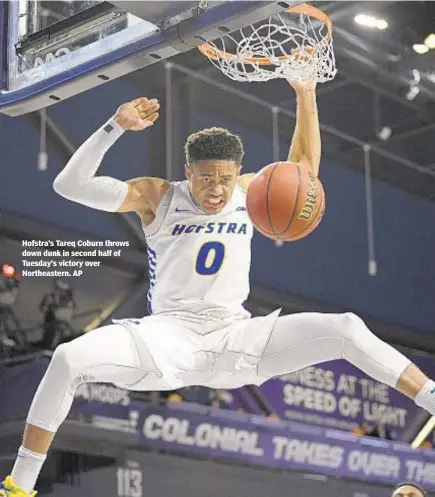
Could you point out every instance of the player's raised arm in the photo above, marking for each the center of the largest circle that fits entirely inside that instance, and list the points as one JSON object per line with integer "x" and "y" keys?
{"x": 306, "y": 144}
{"x": 77, "y": 181}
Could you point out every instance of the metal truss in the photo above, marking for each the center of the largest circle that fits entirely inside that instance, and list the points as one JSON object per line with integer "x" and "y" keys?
{"x": 353, "y": 141}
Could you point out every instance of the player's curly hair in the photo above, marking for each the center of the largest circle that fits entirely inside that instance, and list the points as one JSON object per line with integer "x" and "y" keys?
{"x": 213, "y": 144}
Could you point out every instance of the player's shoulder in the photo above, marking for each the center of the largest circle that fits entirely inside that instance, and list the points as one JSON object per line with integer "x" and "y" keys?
{"x": 147, "y": 185}
{"x": 148, "y": 182}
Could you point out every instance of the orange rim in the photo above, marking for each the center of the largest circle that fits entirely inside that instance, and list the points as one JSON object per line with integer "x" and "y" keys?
{"x": 302, "y": 8}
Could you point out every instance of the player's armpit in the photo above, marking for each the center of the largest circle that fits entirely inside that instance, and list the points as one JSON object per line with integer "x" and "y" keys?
{"x": 245, "y": 181}
{"x": 132, "y": 200}
{"x": 144, "y": 195}
{"x": 306, "y": 163}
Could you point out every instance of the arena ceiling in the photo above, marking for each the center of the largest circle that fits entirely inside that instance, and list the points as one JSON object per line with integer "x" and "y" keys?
{"x": 382, "y": 89}
{"x": 370, "y": 94}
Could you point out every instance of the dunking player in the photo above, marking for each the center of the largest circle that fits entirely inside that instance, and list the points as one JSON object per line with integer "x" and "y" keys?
{"x": 199, "y": 333}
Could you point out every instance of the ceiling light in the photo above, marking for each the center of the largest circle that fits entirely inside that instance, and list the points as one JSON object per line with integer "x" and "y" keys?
{"x": 430, "y": 41}
{"x": 420, "y": 48}
{"x": 382, "y": 24}
{"x": 412, "y": 93}
{"x": 414, "y": 89}
{"x": 370, "y": 21}
{"x": 416, "y": 77}
{"x": 384, "y": 133}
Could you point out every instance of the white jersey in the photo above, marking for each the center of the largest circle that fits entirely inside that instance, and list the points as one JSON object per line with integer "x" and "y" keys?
{"x": 198, "y": 261}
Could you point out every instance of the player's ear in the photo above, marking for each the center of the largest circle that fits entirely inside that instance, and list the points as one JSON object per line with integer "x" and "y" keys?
{"x": 187, "y": 171}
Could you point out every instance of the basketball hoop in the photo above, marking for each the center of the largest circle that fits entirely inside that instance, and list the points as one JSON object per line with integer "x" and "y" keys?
{"x": 295, "y": 44}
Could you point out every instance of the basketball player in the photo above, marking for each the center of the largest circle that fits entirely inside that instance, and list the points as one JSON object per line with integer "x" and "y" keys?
{"x": 408, "y": 489}
{"x": 198, "y": 333}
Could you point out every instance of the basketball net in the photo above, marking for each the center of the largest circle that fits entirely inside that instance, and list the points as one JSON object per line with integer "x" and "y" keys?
{"x": 295, "y": 44}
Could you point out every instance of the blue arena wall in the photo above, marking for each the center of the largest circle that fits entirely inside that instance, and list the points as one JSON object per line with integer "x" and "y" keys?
{"x": 29, "y": 192}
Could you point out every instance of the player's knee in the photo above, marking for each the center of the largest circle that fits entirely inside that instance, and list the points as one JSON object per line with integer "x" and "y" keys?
{"x": 352, "y": 320}
{"x": 357, "y": 332}
{"x": 63, "y": 362}
{"x": 351, "y": 326}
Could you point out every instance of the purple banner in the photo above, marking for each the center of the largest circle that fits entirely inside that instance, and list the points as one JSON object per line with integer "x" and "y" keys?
{"x": 107, "y": 407}
{"x": 286, "y": 445}
{"x": 241, "y": 400}
{"x": 337, "y": 395}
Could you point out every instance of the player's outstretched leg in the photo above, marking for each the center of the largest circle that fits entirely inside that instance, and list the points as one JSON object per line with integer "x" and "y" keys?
{"x": 301, "y": 340}
{"x": 107, "y": 354}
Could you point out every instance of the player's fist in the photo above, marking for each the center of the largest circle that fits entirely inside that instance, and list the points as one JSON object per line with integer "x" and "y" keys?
{"x": 138, "y": 114}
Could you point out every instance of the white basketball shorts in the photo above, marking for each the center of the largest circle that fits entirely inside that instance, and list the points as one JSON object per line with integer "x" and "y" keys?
{"x": 179, "y": 353}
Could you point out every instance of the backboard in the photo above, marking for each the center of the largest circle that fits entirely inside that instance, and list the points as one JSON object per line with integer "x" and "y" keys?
{"x": 52, "y": 50}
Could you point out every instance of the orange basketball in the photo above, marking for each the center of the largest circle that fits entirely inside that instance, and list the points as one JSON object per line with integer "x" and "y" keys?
{"x": 285, "y": 201}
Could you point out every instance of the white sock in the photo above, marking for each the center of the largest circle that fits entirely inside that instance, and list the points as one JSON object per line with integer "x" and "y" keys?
{"x": 426, "y": 397}
{"x": 27, "y": 468}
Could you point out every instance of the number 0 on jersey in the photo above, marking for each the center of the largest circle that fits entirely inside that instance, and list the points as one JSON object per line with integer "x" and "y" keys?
{"x": 210, "y": 258}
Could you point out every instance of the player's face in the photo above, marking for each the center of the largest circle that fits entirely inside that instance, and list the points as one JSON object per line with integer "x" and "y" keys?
{"x": 407, "y": 491}
{"x": 212, "y": 183}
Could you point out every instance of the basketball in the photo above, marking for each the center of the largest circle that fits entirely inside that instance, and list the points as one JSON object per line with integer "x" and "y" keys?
{"x": 285, "y": 201}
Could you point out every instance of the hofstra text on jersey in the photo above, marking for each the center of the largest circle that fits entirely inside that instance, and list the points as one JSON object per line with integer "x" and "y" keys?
{"x": 208, "y": 228}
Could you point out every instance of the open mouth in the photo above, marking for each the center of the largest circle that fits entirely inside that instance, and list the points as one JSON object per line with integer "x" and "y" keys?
{"x": 213, "y": 203}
